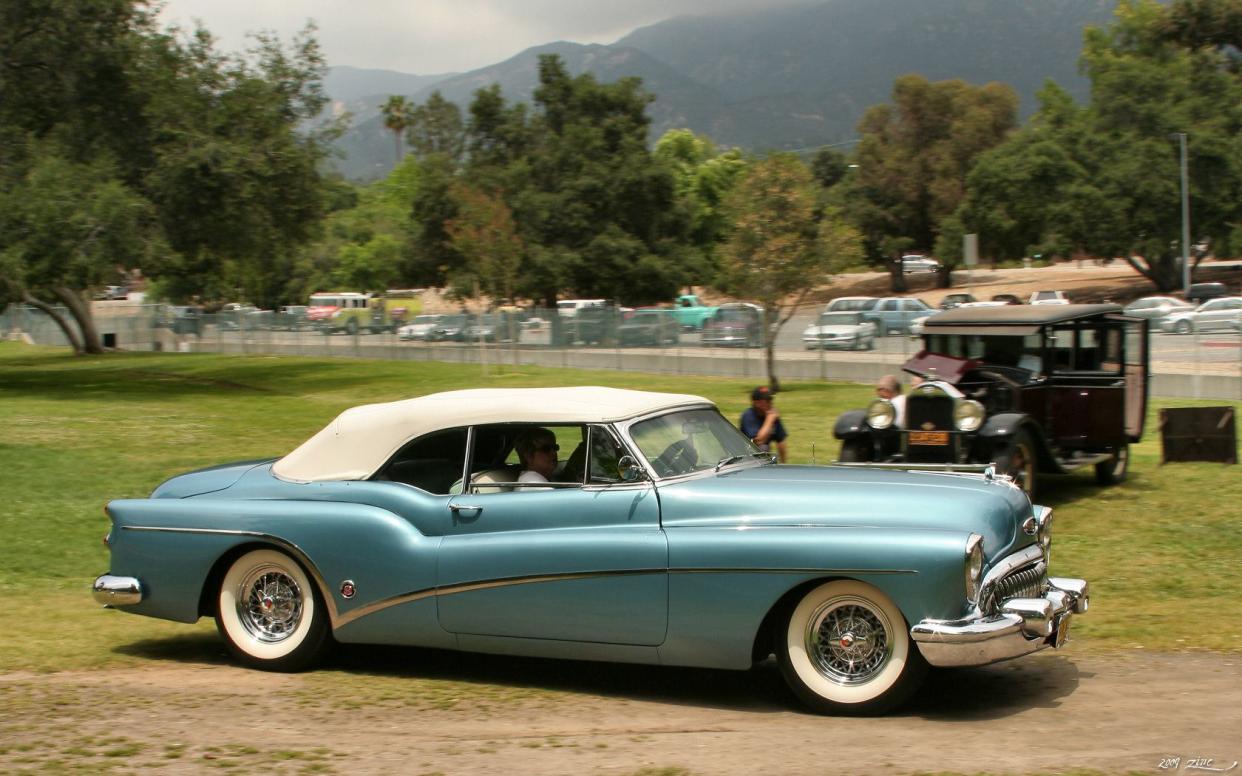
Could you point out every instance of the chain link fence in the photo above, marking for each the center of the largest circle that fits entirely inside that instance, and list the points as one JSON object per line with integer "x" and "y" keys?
{"x": 1209, "y": 365}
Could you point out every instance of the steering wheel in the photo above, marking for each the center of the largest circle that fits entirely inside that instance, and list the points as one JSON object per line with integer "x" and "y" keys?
{"x": 677, "y": 458}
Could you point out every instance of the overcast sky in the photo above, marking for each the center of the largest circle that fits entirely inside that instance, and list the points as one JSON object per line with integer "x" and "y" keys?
{"x": 428, "y": 37}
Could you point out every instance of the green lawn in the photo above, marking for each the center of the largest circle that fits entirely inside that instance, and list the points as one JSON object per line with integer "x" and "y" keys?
{"x": 1161, "y": 551}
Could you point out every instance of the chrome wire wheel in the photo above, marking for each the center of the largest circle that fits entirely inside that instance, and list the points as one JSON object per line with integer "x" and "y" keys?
{"x": 848, "y": 641}
{"x": 846, "y": 649}
{"x": 269, "y": 604}
{"x": 269, "y": 613}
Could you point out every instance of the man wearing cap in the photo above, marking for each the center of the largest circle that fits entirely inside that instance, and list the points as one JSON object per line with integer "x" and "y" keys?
{"x": 762, "y": 423}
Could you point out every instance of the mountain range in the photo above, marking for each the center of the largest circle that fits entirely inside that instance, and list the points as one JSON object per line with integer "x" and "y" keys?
{"x": 796, "y": 77}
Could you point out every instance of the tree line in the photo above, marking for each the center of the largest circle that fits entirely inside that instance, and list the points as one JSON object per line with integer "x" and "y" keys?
{"x": 123, "y": 145}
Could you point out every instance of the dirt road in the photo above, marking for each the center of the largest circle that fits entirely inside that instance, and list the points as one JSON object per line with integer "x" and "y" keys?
{"x": 376, "y": 710}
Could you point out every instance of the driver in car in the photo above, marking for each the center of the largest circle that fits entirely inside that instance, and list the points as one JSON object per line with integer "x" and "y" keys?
{"x": 536, "y": 449}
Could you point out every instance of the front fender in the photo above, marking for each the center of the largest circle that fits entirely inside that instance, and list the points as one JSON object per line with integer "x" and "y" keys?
{"x": 1000, "y": 428}
{"x": 922, "y": 571}
{"x": 851, "y": 424}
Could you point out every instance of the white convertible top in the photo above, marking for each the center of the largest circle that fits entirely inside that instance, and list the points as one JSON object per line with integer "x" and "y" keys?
{"x": 360, "y": 440}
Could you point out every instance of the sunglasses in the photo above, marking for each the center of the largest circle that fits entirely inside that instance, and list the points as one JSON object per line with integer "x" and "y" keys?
{"x": 547, "y": 448}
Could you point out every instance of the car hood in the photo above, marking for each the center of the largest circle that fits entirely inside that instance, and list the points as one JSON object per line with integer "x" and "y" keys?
{"x": 849, "y": 328}
{"x": 838, "y": 496}
{"x": 208, "y": 480}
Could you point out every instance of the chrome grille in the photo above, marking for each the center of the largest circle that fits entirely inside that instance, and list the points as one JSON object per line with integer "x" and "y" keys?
{"x": 1026, "y": 582}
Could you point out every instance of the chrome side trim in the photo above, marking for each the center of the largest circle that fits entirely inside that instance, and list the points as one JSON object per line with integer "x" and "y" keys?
{"x": 112, "y": 590}
{"x": 492, "y": 584}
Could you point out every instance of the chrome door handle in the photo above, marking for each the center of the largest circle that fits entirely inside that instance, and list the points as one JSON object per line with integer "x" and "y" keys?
{"x": 464, "y": 508}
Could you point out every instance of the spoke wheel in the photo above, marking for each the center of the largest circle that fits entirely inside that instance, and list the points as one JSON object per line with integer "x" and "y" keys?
{"x": 269, "y": 614}
{"x": 1018, "y": 462}
{"x": 846, "y": 649}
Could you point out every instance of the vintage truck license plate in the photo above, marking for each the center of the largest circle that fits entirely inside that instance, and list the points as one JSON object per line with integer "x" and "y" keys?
{"x": 929, "y": 437}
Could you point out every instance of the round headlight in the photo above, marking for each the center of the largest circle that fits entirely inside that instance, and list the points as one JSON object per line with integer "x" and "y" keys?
{"x": 974, "y": 566}
{"x": 881, "y": 413}
{"x": 1045, "y": 529}
{"x": 968, "y": 415}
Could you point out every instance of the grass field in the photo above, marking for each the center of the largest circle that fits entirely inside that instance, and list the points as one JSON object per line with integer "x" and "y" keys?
{"x": 1161, "y": 551}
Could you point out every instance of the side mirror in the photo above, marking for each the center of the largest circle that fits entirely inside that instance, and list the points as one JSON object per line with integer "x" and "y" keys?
{"x": 630, "y": 470}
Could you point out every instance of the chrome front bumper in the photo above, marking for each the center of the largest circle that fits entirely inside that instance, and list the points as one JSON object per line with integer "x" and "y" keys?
{"x": 1023, "y": 626}
{"x": 110, "y": 590}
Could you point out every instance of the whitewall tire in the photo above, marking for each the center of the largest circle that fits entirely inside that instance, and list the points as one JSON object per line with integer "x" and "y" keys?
{"x": 846, "y": 649}
{"x": 269, "y": 614}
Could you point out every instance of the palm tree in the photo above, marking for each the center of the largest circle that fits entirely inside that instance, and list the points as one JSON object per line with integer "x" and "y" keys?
{"x": 398, "y": 115}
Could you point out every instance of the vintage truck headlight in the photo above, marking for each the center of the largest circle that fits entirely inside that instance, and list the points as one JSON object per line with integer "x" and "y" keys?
{"x": 974, "y": 566}
{"x": 968, "y": 415}
{"x": 881, "y": 413}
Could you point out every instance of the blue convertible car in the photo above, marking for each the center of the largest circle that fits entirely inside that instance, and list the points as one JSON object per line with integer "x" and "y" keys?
{"x": 659, "y": 535}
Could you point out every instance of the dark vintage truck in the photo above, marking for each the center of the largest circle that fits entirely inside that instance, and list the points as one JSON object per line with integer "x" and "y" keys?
{"x": 1031, "y": 390}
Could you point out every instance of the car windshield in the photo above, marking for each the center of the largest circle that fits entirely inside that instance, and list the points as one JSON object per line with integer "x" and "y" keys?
{"x": 690, "y": 441}
{"x": 838, "y": 319}
{"x": 426, "y": 319}
{"x": 453, "y": 320}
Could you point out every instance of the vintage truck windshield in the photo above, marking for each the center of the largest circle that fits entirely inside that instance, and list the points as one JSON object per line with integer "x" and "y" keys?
{"x": 1025, "y": 352}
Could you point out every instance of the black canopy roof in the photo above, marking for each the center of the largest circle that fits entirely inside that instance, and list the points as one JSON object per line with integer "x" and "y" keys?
{"x": 1017, "y": 315}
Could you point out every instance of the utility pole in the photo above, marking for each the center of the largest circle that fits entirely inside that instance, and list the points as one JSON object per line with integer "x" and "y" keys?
{"x": 1181, "y": 138}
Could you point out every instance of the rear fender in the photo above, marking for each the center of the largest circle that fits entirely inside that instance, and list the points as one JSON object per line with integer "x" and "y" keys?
{"x": 176, "y": 547}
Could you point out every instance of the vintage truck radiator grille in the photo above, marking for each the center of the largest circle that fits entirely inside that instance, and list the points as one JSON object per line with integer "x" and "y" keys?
{"x": 929, "y": 412}
{"x": 929, "y": 435}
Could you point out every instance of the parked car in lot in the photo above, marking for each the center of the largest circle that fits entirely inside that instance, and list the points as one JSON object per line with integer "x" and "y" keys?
{"x": 1049, "y": 297}
{"x": 1156, "y": 309}
{"x": 736, "y": 324}
{"x": 691, "y": 313}
{"x": 842, "y": 331}
{"x": 1198, "y": 293}
{"x": 1032, "y": 390}
{"x": 650, "y": 327}
{"x": 568, "y": 308}
{"x": 1224, "y": 314}
{"x": 112, "y": 293}
{"x": 894, "y": 314}
{"x": 954, "y": 300}
{"x": 484, "y": 328}
{"x": 451, "y": 328}
{"x": 850, "y": 304}
{"x": 180, "y": 319}
{"x": 915, "y": 262}
{"x": 291, "y": 318}
{"x": 1006, "y": 299}
{"x": 420, "y": 328}
{"x": 405, "y": 523}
